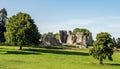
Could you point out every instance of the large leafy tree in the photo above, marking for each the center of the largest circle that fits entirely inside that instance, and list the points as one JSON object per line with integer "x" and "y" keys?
{"x": 85, "y": 31}
{"x": 21, "y": 30}
{"x": 103, "y": 47}
{"x": 3, "y": 18}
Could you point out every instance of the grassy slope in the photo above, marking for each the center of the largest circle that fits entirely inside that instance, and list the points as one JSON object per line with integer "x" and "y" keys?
{"x": 12, "y": 58}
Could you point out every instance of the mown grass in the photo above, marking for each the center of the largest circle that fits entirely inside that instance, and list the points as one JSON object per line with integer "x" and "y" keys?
{"x": 41, "y": 58}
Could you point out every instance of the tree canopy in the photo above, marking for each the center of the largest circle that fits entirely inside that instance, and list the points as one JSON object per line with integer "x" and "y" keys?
{"x": 21, "y": 30}
{"x": 56, "y": 35}
{"x": 103, "y": 47}
{"x": 3, "y": 18}
{"x": 118, "y": 42}
{"x": 114, "y": 42}
{"x": 85, "y": 31}
{"x": 51, "y": 34}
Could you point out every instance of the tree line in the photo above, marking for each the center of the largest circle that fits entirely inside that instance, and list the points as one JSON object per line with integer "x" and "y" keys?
{"x": 14, "y": 30}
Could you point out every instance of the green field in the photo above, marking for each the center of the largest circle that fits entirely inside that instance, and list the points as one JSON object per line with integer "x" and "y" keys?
{"x": 41, "y": 58}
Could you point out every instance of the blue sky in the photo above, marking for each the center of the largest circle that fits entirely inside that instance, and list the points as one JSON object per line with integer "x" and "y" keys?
{"x": 54, "y": 15}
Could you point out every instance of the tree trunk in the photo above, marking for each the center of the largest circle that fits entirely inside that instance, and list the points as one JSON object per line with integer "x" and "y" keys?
{"x": 101, "y": 61}
{"x": 20, "y": 47}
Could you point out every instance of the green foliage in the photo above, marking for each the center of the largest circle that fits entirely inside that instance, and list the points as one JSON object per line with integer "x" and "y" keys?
{"x": 21, "y": 30}
{"x": 85, "y": 31}
{"x": 50, "y": 34}
{"x": 103, "y": 47}
{"x": 114, "y": 42}
{"x": 40, "y": 35}
{"x": 3, "y": 18}
{"x": 118, "y": 42}
{"x": 57, "y": 36}
{"x": 45, "y": 34}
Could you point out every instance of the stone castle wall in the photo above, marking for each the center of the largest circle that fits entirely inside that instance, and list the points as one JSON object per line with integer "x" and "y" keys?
{"x": 67, "y": 38}
{"x": 79, "y": 39}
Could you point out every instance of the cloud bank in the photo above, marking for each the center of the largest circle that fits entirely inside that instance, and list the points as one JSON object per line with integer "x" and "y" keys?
{"x": 109, "y": 24}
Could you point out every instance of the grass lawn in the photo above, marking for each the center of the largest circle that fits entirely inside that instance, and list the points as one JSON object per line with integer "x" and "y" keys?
{"x": 41, "y": 58}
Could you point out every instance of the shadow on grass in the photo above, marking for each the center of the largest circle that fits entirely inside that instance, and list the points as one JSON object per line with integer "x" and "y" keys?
{"x": 2, "y": 48}
{"x": 112, "y": 64}
{"x": 20, "y": 52}
{"x": 106, "y": 64}
{"x": 57, "y": 52}
{"x": 58, "y": 47}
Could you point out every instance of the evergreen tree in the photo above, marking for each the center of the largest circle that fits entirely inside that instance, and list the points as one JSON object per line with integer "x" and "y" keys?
{"x": 118, "y": 42}
{"x": 114, "y": 42}
{"x": 3, "y": 18}
{"x": 21, "y": 30}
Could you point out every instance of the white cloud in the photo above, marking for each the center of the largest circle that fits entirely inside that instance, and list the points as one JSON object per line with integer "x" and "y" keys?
{"x": 114, "y": 26}
{"x": 109, "y": 24}
{"x": 77, "y": 22}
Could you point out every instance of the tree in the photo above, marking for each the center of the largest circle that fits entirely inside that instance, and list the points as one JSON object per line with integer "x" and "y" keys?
{"x": 50, "y": 34}
{"x": 118, "y": 42}
{"x": 114, "y": 42}
{"x": 43, "y": 35}
{"x": 57, "y": 36}
{"x": 85, "y": 31}
{"x": 103, "y": 47}
{"x": 3, "y": 18}
{"x": 21, "y": 30}
{"x": 47, "y": 34}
